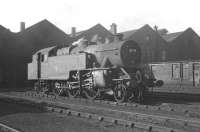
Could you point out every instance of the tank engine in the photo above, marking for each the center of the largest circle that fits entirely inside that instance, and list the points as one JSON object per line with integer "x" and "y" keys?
{"x": 88, "y": 68}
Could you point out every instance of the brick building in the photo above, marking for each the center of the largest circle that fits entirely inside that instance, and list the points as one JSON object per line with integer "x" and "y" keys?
{"x": 17, "y": 49}
{"x": 183, "y": 45}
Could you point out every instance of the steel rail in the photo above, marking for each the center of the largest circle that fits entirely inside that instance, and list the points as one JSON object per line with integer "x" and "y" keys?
{"x": 146, "y": 126}
{"x": 61, "y": 104}
{"x": 6, "y": 128}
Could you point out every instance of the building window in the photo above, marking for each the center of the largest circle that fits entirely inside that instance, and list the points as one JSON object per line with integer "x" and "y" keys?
{"x": 176, "y": 71}
{"x": 186, "y": 72}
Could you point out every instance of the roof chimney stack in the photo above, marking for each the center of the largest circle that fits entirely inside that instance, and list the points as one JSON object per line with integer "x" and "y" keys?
{"x": 113, "y": 28}
{"x": 73, "y": 32}
{"x": 155, "y": 28}
{"x": 22, "y": 26}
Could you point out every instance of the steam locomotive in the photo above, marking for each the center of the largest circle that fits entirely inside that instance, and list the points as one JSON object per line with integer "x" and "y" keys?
{"x": 90, "y": 69}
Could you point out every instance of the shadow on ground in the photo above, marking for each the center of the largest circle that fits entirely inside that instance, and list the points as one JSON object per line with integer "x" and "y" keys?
{"x": 15, "y": 89}
{"x": 175, "y": 98}
{"x": 9, "y": 107}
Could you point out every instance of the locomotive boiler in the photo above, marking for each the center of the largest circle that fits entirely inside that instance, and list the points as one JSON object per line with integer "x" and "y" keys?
{"x": 89, "y": 69}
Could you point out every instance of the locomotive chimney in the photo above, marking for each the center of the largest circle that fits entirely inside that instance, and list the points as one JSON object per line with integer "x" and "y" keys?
{"x": 22, "y": 26}
{"x": 113, "y": 28}
{"x": 73, "y": 32}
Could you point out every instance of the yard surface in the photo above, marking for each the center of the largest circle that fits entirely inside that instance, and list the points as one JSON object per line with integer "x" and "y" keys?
{"x": 31, "y": 119}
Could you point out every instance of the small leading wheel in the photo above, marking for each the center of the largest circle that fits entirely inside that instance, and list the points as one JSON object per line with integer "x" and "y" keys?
{"x": 120, "y": 92}
{"x": 73, "y": 91}
{"x": 58, "y": 89}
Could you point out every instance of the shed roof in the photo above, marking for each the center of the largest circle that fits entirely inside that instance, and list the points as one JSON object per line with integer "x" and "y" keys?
{"x": 44, "y": 30}
{"x": 42, "y": 24}
{"x": 4, "y": 30}
{"x": 88, "y": 30}
{"x": 128, "y": 34}
{"x": 97, "y": 29}
{"x": 41, "y": 35}
{"x": 2, "y": 27}
{"x": 172, "y": 36}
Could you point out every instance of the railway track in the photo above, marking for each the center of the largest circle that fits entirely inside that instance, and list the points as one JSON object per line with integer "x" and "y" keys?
{"x": 176, "y": 96}
{"x": 5, "y": 128}
{"x": 118, "y": 113}
{"x": 128, "y": 106}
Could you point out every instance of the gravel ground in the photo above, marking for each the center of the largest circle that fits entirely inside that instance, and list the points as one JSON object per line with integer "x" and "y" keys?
{"x": 30, "y": 119}
{"x": 177, "y": 89}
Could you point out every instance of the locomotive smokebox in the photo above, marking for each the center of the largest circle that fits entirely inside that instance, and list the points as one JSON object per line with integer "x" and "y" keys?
{"x": 118, "y": 54}
{"x": 130, "y": 54}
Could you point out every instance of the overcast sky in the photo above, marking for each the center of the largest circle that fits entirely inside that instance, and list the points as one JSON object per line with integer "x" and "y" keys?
{"x": 175, "y": 15}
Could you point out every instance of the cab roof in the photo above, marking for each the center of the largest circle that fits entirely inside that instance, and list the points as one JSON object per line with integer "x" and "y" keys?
{"x": 45, "y": 50}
